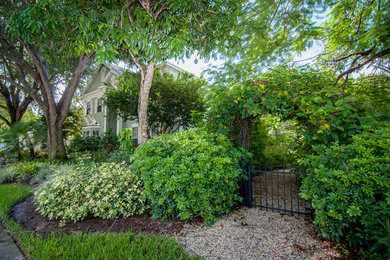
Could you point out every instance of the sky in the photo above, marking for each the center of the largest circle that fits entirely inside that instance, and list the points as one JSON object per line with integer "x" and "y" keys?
{"x": 197, "y": 68}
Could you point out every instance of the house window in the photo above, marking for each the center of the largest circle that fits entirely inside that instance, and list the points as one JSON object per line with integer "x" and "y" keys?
{"x": 89, "y": 108}
{"x": 99, "y": 105}
{"x": 135, "y": 134}
{"x": 95, "y": 133}
{"x": 86, "y": 133}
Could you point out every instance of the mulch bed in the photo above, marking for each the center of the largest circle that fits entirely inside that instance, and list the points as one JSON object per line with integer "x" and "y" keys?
{"x": 25, "y": 213}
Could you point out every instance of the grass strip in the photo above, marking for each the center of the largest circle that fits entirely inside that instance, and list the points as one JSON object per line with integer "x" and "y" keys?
{"x": 124, "y": 245}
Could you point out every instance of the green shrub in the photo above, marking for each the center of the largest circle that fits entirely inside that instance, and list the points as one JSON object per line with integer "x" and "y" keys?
{"x": 189, "y": 174}
{"x": 350, "y": 189}
{"x": 99, "y": 157}
{"x": 94, "y": 143}
{"x": 274, "y": 158}
{"x": 33, "y": 172}
{"x": 103, "y": 190}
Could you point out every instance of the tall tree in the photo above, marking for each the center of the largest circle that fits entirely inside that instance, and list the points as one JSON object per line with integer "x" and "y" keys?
{"x": 15, "y": 101}
{"x": 148, "y": 32}
{"x": 43, "y": 39}
{"x": 172, "y": 102}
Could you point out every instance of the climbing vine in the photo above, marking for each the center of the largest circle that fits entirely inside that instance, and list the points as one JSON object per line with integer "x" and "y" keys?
{"x": 323, "y": 109}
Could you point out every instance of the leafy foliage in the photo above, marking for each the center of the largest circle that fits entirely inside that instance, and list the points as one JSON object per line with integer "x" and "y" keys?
{"x": 373, "y": 91}
{"x": 94, "y": 143}
{"x": 350, "y": 189}
{"x": 189, "y": 174}
{"x": 325, "y": 112}
{"x": 126, "y": 143}
{"x": 24, "y": 135}
{"x": 31, "y": 172}
{"x": 171, "y": 101}
{"x": 356, "y": 34}
{"x": 103, "y": 190}
{"x": 73, "y": 123}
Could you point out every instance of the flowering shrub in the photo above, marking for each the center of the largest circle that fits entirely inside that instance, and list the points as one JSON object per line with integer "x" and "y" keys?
{"x": 106, "y": 190}
{"x": 350, "y": 189}
{"x": 189, "y": 174}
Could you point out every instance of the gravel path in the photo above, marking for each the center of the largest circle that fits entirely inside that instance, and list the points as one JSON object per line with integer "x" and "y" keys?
{"x": 252, "y": 233}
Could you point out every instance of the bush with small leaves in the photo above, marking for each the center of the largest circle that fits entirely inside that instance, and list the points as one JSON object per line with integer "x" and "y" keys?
{"x": 102, "y": 190}
{"x": 190, "y": 174}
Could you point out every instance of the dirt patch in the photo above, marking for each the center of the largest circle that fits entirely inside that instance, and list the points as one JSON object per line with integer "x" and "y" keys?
{"x": 25, "y": 213}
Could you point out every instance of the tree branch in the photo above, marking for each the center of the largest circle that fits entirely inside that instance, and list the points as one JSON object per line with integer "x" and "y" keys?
{"x": 128, "y": 13}
{"x": 47, "y": 92}
{"x": 5, "y": 120}
{"x": 253, "y": 15}
{"x": 28, "y": 90}
{"x": 157, "y": 13}
{"x": 66, "y": 99}
{"x": 364, "y": 53}
{"x": 361, "y": 64}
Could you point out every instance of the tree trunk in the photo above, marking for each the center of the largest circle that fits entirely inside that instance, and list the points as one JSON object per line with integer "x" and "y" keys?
{"x": 55, "y": 140}
{"x": 143, "y": 102}
{"x": 245, "y": 133}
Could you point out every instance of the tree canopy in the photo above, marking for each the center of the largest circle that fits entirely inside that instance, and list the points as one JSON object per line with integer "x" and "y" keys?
{"x": 172, "y": 102}
{"x": 356, "y": 35}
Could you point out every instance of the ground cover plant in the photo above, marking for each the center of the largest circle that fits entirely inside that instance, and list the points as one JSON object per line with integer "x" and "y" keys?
{"x": 104, "y": 190}
{"x": 189, "y": 174}
{"x": 349, "y": 186}
{"x": 32, "y": 172}
{"x": 124, "y": 245}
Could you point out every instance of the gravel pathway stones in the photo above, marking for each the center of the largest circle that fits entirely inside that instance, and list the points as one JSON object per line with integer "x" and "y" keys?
{"x": 252, "y": 233}
{"x": 8, "y": 248}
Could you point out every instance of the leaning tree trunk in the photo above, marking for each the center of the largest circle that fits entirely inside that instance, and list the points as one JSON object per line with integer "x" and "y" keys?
{"x": 143, "y": 102}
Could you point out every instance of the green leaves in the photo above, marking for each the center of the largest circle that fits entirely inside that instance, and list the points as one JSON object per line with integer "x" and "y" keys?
{"x": 189, "y": 174}
{"x": 173, "y": 101}
{"x": 304, "y": 94}
{"x": 348, "y": 186}
{"x": 106, "y": 190}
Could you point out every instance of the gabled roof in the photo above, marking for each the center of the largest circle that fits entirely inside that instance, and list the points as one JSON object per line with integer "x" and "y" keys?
{"x": 115, "y": 69}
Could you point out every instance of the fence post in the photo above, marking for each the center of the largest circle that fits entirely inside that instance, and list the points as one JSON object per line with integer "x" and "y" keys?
{"x": 249, "y": 190}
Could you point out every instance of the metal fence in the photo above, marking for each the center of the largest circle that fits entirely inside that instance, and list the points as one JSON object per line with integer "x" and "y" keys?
{"x": 276, "y": 188}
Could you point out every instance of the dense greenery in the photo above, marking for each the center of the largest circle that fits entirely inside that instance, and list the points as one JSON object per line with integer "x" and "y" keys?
{"x": 83, "y": 245}
{"x": 171, "y": 101}
{"x": 23, "y": 135}
{"x": 356, "y": 34}
{"x": 29, "y": 172}
{"x": 189, "y": 174}
{"x": 349, "y": 186}
{"x": 104, "y": 190}
{"x": 94, "y": 143}
{"x": 321, "y": 108}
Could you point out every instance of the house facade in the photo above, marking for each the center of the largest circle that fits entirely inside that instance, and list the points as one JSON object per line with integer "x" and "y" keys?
{"x": 98, "y": 119}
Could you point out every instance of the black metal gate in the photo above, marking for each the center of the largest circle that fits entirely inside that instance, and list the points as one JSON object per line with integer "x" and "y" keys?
{"x": 276, "y": 188}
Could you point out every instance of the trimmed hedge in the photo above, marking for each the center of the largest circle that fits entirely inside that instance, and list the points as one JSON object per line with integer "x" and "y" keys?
{"x": 189, "y": 174}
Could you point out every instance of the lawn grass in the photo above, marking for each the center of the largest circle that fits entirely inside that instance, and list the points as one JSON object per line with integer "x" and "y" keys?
{"x": 84, "y": 245}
